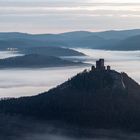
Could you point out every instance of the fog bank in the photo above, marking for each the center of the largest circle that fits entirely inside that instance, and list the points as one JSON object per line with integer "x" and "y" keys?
{"x": 18, "y": 128}
{"x": 122, "y": 61}
{"x": 27, "y": 82}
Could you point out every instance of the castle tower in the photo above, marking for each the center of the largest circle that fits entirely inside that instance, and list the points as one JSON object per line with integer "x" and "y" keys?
{"x": 108, "y": 68}
{"x": 100, "y": 64}
{"x": 93, "y": 68}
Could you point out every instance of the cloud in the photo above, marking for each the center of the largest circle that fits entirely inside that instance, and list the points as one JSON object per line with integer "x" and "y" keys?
{"x": 40, "y": 16}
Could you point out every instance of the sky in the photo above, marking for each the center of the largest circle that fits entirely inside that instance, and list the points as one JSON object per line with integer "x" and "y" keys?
{"x": 55, "y": 16}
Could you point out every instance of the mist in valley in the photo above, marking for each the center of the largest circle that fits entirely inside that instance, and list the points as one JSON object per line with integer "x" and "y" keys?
{"x": 121, "y": 61}
{"x": 27, "y": 82}
{"x": 16, "y": 127}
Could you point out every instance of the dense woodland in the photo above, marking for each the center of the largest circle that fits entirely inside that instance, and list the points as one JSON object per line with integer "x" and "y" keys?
{"x": 101, "y": 99}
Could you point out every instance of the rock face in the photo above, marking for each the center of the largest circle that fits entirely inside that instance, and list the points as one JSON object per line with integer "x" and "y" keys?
{"x": 118, "y": 80}
{"x": 100, "y": 98}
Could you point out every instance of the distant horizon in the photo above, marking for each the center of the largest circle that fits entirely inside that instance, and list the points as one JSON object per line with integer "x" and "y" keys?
{"x": 71, "y": 31}
{"x": 57, "y": 16}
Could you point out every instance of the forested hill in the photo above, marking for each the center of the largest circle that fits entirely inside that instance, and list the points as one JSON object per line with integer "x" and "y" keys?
{"x": 36, "y": 61}
{"x": 99, "y": 98}
{"x": 51, "y": 51}
{"x": 109, "y": 40}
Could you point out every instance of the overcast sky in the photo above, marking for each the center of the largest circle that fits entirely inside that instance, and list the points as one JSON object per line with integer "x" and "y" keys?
{"x": 53, "y": 16}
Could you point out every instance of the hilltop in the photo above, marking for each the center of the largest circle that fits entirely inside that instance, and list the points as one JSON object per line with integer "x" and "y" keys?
{"x": 99, "y": 98}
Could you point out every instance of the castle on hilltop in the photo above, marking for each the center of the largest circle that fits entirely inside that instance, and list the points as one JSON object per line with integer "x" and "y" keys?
{"x": 100, "y": 65}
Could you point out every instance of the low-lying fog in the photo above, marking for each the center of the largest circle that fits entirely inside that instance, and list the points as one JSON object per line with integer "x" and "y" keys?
{"x": 24, "y": 82}
{"x": 18, "y": 128}
{"x": 122, "y": 61}
{"x": 6, "y": 54}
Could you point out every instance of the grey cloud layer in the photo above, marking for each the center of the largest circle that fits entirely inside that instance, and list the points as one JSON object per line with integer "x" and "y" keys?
{"x": 64, "y": 15}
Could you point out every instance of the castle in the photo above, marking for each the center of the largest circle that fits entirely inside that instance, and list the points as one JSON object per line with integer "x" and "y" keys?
{"x": 100, "y": 65}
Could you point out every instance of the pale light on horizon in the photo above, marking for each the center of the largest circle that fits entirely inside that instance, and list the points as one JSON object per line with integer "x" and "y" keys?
{"x": 56, "y": 16}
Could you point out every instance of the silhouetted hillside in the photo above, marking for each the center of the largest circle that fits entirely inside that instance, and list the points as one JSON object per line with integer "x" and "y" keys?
{"x": 96, "y": 40}
{"x": 120, "y": 34}
{"x": 91, "y": 41}
{"x": 35, "y": 60}
{"x": 99, "y": 40}
{"x": 26, "y": 42}
{"x": 131, "y": 43}
{"x": 52, "y": 51}
{"x": 99, "y": 98}
{"x": 108, "y": 40}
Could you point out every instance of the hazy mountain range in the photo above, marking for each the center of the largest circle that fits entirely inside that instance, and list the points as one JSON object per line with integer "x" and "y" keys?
{"x": 113, "y": 40}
